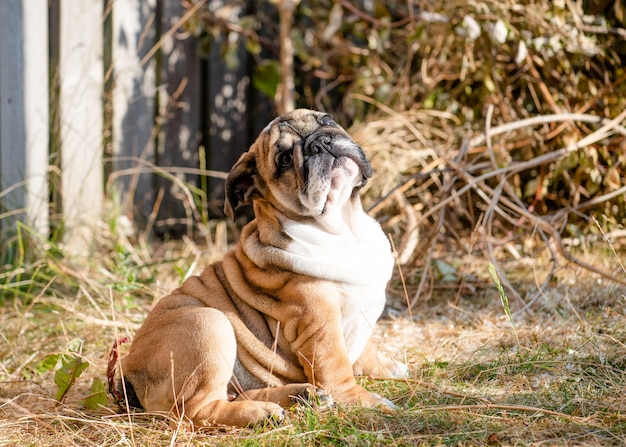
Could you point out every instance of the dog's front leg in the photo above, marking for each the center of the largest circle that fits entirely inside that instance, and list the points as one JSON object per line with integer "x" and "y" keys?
{"x": 318, "y": 341}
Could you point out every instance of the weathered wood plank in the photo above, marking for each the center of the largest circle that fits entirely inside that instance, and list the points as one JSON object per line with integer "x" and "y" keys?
{"x": 81, "y": 123}
{"x": 24, "y": 112}
{"x": 179, "y": 111}
{"x": 133, "y": 101}
{"x": 234, "y": 111}
{"x": 227, "y": 93}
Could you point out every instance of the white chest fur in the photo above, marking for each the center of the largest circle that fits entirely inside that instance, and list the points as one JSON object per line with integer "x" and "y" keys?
{"x": 359, "y": 258}
{"x": 360, "y": 310}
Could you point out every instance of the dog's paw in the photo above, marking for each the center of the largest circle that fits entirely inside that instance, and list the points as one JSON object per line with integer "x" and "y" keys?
{"x": 313, "y": 397}
{"x": 359, "y": 395}
{"x": 259, "y": 413}
{"x": 385, "y": 404}
{"x": 256, "y": 413}
{"x": 274, "y": 416}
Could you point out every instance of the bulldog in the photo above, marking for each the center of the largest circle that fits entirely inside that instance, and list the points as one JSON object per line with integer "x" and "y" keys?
{"x": 288, "y": 314}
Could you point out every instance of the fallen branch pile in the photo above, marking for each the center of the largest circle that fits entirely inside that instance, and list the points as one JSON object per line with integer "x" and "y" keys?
{"x": 473, "y": 194}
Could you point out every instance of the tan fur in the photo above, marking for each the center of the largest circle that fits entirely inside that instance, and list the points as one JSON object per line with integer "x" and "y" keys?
{"x": 263, "y": 325}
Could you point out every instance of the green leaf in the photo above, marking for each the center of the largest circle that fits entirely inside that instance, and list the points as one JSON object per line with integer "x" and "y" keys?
{"x": 47, "y": 363}
{"x": 253, "y": 47}
{"x": 71, "y": 367}
{"x": 205, "y": 43}
{"x": 266, "y": 77}
{"x": 249, "y": 23}
{"x": 230, "y": 53}
{"x": 97, "y": 395}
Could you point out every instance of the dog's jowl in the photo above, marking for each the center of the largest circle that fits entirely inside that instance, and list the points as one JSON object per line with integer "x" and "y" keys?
{"x": 287, "y": 314}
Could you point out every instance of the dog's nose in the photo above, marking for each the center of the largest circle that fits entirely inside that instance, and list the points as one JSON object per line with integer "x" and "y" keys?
{"x": 320, "y": 144}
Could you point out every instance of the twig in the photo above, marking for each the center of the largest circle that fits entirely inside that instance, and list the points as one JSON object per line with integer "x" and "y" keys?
{"x": 406, "y": 293}
{"x": 535, "y": 162}
{"x": 151, "y": 167}
{"x": 285, "y": 101}
{"x": 409, "y": 125}
{"x": 374, "y": 21}
{"x": 588, "y": 104}
{"x": 543, "y": 88}
{"x": 600, "y": 199}
{"x": 487, "y": 241}
{"x": 621, "y": 264}
{"x": 523, "y": 408}
{"x": 547, "y": 119}
{"x": 540, "y": 289}
{"x": 411, "y": 235}
{"x": 434, "y": 387}
{"x": 403, "y": 187}
{"x": 102, "y": 322}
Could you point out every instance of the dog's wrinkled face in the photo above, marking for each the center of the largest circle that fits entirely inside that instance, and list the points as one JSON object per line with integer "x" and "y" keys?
{"x": 303, "y": 163}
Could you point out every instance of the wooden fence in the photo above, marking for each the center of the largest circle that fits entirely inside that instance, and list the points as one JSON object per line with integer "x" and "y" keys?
{"x": 110, "y": 97}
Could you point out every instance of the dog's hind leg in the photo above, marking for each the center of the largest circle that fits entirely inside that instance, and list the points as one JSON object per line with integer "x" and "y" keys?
{"x": 181, "y": 361}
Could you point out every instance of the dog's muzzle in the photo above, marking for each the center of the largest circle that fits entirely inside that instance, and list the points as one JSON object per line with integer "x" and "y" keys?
{"x": 338, "y": 145}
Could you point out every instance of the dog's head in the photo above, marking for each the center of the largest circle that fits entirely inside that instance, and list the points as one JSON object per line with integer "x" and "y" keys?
{"x": 303, "y": 163}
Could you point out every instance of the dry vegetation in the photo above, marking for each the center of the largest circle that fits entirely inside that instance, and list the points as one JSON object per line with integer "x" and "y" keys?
{"x": 483, "y": 159}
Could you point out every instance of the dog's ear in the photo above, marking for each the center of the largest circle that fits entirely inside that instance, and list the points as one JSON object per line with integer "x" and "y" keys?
{"x": 242, "y": 184}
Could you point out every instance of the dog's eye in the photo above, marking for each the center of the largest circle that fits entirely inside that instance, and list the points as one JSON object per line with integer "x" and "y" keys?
{"x": 285, "y": 159}
{"x": 328, "y": 121}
